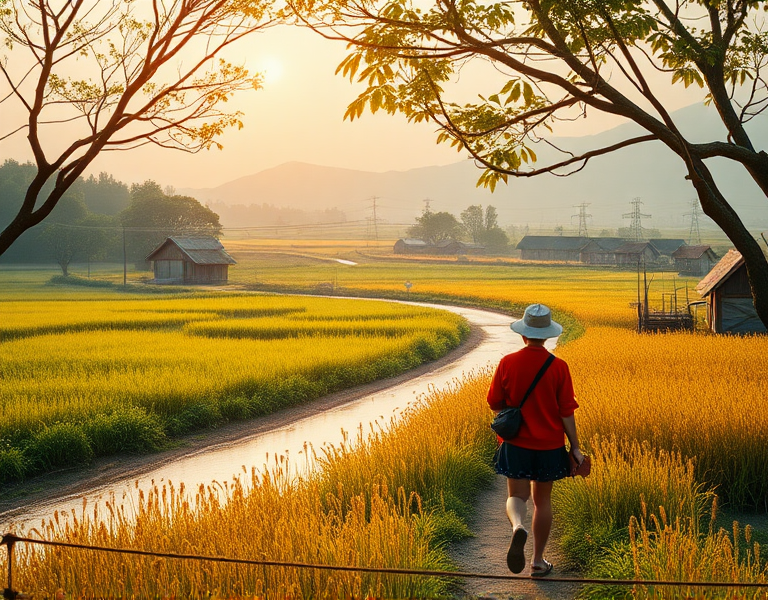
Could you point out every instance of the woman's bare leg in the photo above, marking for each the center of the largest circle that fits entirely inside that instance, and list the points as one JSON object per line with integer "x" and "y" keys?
{"x": 542, "y": 519}
{"x": 519, "y": 491}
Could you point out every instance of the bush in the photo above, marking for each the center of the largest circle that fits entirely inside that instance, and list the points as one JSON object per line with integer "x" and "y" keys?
{"x": 59, "y": 445}
{"x": 127, "y": 429}
{"x": 13, "y": 464}
{"x": 80, "y": 281}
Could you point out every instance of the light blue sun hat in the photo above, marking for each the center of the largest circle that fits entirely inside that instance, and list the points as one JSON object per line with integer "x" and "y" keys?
{"x": 537, "y": 323}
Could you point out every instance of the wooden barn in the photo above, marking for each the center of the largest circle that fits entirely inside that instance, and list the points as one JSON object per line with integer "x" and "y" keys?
{"x": 191, "y": 260}
{"x": 694, "y": 260}
{"x": 601, "y": 251}
{"x": 562, "y": 248}
{"x": 410, "y": 246}
{"x": 667, "y": 246}
{"x": 631, "y": 253}
{"x": 454, "y": 248}
{"x": 730, "y": 308}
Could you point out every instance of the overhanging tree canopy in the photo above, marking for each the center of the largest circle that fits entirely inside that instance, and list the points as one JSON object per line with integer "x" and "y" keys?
{"x": 120, "y": 74}
{"x": 558, "y": 60}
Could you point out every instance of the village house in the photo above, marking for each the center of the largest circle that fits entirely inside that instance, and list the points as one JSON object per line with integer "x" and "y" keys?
{"x": 410, "y": 246}
{"x": 694, "y": 260}
{"x": 632, "y": 253}
{"x": 730, "y": 308}
{"x": 191, "y": 260}
{"x": 560, "y": 248}
{"x": 667, "y": 246}
{"x": 601, "y": 251}
{"x": 595, "y": 251}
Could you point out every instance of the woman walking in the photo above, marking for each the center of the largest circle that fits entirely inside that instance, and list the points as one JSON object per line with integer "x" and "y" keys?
{"x": 536, "y": 457}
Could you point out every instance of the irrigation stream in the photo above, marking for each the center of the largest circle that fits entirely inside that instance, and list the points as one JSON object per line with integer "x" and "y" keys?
{"x": 222, "y": 463}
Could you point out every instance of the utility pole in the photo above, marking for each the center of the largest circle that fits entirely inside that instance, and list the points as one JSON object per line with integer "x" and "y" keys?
{"x": 694, "y": 233}
{"x": 125, "y": 261}
{"x": 582, "y": 218}
{"x": 636, "y": 224}
{"x": 375, "y": 219}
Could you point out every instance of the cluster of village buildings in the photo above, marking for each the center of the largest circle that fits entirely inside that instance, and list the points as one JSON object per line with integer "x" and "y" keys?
{"x": 687, "y": 259}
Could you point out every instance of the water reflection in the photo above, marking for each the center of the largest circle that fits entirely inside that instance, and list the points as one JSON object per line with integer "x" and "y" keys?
{"x": 222, "y": 463}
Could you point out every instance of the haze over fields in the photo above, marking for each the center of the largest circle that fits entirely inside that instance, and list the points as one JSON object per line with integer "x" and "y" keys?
{"x": 608, "y": 183}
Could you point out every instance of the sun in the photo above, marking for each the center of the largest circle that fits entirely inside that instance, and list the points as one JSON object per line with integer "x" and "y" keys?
{"x": 271, "y": 70}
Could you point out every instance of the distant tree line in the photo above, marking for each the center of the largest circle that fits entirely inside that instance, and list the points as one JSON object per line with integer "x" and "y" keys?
{"x": 476, "y": 226}
{"x": 87, "y": 223}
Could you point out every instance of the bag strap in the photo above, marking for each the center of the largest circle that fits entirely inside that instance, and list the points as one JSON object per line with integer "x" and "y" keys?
{"x": 539, "y": 375}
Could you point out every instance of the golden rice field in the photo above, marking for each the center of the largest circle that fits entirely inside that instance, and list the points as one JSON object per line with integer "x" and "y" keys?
{"x": 392, "y": 500}
{"x": 674, "y": 422}
{"x": 87, "y": 376}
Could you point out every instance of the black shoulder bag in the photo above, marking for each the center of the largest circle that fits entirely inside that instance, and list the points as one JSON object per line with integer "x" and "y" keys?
{"x": 507, "y": 422}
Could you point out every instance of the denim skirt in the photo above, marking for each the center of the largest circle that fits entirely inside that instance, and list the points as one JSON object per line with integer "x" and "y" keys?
{"x": 537, "y": 465}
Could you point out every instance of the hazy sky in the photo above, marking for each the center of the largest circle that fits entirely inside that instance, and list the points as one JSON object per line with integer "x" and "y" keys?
{"x": 297, "y": 116}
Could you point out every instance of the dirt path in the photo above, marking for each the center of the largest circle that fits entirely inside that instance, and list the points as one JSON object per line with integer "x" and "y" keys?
{"x": 487, "y": 553}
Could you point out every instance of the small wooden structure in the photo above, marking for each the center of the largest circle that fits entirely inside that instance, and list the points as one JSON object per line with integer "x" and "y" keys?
{"x": 667, "y": 246}
{"x": 561, "y": 248}
{"x": 601, "y": 251}
{"x": 730, "y": 308}
{"x": 674, "y": 314}
{"x": 633, "y": 253}
{"x": 410, "y": 246}
{"x": 694, "y": 260}
{"x": 191, "y": 260}
{"x": 596, "y": 251}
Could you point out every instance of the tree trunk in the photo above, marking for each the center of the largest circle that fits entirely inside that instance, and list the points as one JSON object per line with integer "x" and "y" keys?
{"x": 715, "y": 206}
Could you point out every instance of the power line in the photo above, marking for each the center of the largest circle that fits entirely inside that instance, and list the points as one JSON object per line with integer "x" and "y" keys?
{"x": 10, "y": 540}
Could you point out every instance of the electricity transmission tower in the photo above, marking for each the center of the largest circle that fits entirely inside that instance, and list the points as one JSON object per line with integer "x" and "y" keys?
{"x": 694, "y": 233}
{"x": 582, "y": 218}
{"x": 426, "y": 202}
{"x": 636, "y": 224}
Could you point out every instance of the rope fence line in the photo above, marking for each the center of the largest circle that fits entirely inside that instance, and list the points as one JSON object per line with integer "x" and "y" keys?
{"x": 9, "y": 540}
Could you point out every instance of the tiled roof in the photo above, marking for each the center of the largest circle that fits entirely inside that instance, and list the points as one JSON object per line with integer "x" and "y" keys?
{"x": 666, "y": 245}
{"x": 200, "y": 250}
{"x": 720, "y": 272}
{"x": 197, "y": 243}
{"x": 609, "y": 243}
{"x": 691, "y": 252}
{"x": 635, "y": 248}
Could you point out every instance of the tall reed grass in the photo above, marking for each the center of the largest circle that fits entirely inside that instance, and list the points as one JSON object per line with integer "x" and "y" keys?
{"x": 390, "y": 499}
{"x": 699, "y": 395}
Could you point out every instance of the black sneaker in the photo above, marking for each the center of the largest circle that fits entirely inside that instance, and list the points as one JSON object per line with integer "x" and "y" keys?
{"x": 516, "y": 552}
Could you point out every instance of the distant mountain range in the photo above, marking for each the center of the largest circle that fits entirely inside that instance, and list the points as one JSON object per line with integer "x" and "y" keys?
{"x": 608, "y": 183}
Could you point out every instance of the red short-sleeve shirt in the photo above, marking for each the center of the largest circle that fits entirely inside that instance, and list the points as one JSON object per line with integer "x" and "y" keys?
{"x": 551, "y": 399}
